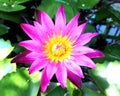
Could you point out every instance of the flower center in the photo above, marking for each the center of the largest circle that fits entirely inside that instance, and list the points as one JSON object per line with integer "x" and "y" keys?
{"x": 58, "y": 48}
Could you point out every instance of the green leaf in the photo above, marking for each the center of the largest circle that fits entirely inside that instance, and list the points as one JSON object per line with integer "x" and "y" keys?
{"x": 6, "y": 67}
{"x": 87, "y": 4}
{"x": 90, "y": 92}
{"x": 111, "y": 53}
{"x": 3, "y": 29}
{"x": 77, "y": 93}
{"x": 11, "y": 16}
{"x": 19, "y": 83}
{"x": 51, "y": 7}
{"x": 57, "y": 91}
{"x": 6, "y": 7}
{"x": 70, "y": 87}
{"x": 14, "y": 1}
{"x": 100, "y": 82}
{"x": 5, "y": 49}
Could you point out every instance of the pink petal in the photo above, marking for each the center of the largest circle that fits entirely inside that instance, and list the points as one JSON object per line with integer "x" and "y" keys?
{"x": 73, "y": 23}
{"x": 78, "y": 50}
{"x": 96, "y": 54}
{"x": 61, "y": 75}
{"x": 42, "y": 32}
{"x": 83, "y": 60}
{"x": 85, "y": 38}
{"x": 37, "y": 65}
{"x": 44, "y": 81}
{"x": 24, "y": 58}
{"x": 51, "y": 69}
{"x": 75, "y": 34}
{"x": 31, "y": 45}
{"x": 31, "y": 31}
{"x": 60, "y": 19}
{"x": 75, "y": 79}
{"x": 46, "y": 21}
{"x": 71, "y": 66}
{"x": 38, "y": 16}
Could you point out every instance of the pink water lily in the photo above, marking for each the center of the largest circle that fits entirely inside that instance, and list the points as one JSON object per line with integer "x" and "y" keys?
{"x": 57, "y": 48}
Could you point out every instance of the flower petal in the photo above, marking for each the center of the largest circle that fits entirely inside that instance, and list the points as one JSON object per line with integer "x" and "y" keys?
{"x": 96, "y": 54}
{"x": 30, "y": 31}
{"x": 37, "y": 65}
{"x": 51, "y": 69}
{"x": 73, "y": 23}
{"x": 44, "y": 34}
{"x": 75, "y": 34}
{"x": 75, "y": 79}
{"x": 85, "y": 38}
{"x": 78, "y": 50}
{"x": 75, "y": 69}
{"x": 83, "y": 60}
{"x": 46, "y": 21}
{"x": 31, "y": 45}
{"x": 60, "y": 19}
{"x": 38, "y": 16}
{"x": 61, "y": 75}
{"x": 44, "y": 81}
{"x": 24, "y": 58}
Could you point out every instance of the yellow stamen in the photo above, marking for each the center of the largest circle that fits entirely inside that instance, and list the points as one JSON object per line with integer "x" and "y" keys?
{"x": 58, "y": 48}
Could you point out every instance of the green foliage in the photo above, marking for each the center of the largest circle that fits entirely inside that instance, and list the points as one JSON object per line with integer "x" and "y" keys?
{"x": 19, "y": 83}
{"x": 57, "y": 91}
{"x": 87, "y": 4}
{"x": 111, "y": 53}
{"x": 53, "y": 6}
{"x": 11, "y": 5}
{"x": 89, "y": 92}
{"x": 3, "y": 29}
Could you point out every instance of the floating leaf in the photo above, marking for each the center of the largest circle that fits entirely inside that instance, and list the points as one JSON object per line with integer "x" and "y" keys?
{"x": 5, "y": 49}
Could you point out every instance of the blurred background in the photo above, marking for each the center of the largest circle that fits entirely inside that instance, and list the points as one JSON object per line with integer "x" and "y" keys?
{"x": 103, "y": 16}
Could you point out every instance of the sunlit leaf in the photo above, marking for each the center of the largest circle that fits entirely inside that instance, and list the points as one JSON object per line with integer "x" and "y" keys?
{"x": 6, "y": 67}
{"x": 70, "y": 87}
{"x": 19, "y": 83}
{"x": 5, "y": 49}
{"x": 109, "y": 71}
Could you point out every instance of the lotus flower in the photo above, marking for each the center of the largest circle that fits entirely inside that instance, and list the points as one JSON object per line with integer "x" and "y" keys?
{"x": 57, "y": 48}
